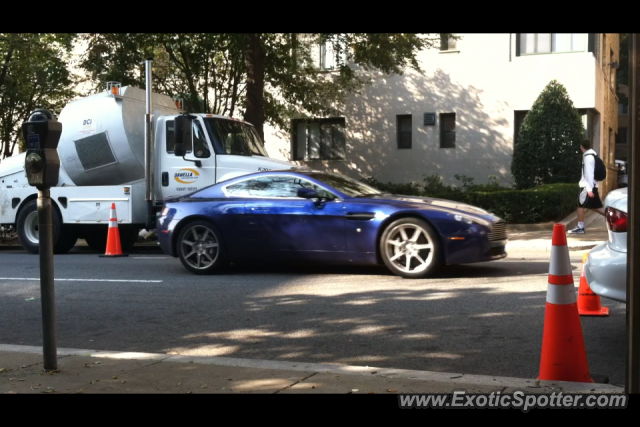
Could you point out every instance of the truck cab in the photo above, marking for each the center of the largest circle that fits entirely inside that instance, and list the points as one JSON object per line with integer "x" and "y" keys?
{"x": 215, "y": 148}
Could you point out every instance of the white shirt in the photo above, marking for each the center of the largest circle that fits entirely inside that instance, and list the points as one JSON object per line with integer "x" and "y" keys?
{"x": 588, "y": 167}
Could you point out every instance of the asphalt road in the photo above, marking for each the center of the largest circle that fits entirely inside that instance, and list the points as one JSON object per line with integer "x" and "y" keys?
{"x": 484, "y": 319}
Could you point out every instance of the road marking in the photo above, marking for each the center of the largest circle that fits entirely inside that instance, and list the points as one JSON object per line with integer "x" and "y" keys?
{"x": 81, "y": 280}
{"x": 151, "y": 257}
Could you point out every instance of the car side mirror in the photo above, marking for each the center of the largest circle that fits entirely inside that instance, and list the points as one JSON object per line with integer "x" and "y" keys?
{"x": 177, "y": 150}
{"x": 307, "y": 193}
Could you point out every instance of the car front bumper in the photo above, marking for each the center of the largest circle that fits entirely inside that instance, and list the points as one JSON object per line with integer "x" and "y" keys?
{"x": 606, "y": 272}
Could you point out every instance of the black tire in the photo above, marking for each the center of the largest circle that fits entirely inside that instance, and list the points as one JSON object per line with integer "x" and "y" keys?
{"x": 27, "y": 226}
{"x": 128, "y": 237}
{"x": 212, "y": 258}
{"x": 96, "y": 238}
{"x": 425, "y": 255}
{"x": 67, "y": 240}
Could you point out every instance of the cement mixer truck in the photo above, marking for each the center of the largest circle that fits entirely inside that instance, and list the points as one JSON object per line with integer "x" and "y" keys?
{"x": 119, "y": 146}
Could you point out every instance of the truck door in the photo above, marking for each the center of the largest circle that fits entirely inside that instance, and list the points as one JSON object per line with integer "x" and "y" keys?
{"x": 179, "y": 176}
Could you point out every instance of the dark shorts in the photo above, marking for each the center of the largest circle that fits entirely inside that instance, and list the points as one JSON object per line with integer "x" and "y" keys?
{"x": 584, "y": 201}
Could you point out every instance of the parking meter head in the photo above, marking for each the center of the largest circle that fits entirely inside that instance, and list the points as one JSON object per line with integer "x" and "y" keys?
{"x": 41, "y": 133}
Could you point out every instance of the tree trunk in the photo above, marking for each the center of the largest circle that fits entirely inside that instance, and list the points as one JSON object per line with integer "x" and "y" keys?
{"x": 254, "y": 57}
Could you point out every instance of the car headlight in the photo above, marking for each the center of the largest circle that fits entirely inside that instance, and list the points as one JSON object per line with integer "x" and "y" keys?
{"x": 165, "y": 211}
{"x": 471, "y": 220}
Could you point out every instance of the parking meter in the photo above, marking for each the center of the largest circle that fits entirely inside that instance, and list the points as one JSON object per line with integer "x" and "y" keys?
{"x": 42, "y": 163}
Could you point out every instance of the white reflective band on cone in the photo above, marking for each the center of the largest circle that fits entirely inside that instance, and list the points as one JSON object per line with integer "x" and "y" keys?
{"x": 113, "y": 221}
{"x": 560, "y": 261}
{"x": 561, "y": 294}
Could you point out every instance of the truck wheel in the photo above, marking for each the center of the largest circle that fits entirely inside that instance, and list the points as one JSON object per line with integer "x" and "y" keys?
{"x": 27, "y": 226}
{"x": 96, "y": 238}
{"x": 128, "y": 237}
{"x": 66, "y": 241}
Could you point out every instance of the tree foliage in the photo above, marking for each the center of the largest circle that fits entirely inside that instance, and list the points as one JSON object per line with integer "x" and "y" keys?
{"x": 548, "y": 148}
{"x": 33, "y": 74}
{"x": 263, "y": 77}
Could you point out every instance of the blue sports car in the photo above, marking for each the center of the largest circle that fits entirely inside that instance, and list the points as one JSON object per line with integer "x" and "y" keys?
{"x": 304, "y": 215}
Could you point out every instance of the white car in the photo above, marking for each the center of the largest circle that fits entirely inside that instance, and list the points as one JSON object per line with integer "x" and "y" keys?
{"x": 606, "y": 266}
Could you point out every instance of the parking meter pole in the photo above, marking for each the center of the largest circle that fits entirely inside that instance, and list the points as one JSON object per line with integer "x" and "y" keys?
{"x": 632, "y": 382}
{"x": 47, "y": 292}
{"x": 41, "y": 133}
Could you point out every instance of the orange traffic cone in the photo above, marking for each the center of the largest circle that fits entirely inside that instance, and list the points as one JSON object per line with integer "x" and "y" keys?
{"x": 114, "y": 249}
{"x": 563, "y": 354}
{"x": 588, "y": 302}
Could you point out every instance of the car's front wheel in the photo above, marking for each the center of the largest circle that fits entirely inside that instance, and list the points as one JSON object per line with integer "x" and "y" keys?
{"x": 200, "y": 248}
{"x": 410, "y": 248}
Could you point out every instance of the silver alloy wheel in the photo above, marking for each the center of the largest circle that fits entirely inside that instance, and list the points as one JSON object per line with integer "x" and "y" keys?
{"x": 409, "y": 248}
{"x": 199, "y": 247}
{"x": 31, "y": 228}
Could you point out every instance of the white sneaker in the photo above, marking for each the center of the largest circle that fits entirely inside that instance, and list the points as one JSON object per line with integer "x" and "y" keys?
{"x": 577, "y": 230}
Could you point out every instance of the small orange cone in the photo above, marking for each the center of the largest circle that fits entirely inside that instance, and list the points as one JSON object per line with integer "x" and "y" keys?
{"x": 563, "y": 355}
{"x": 114, "y": 249}
{"x": 588, "y": 302}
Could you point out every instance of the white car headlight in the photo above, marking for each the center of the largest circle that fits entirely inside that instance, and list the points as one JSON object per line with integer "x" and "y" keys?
{"x": 472, "y": 220}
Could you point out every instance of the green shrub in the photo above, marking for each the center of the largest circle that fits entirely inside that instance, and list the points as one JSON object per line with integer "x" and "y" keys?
{"x": 551, "y": 202}
{"x": 547, "y": 149}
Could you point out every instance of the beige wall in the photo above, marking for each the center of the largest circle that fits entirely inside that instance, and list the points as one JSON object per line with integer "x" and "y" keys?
{"x": 607, "y": 105}
{"x": 483, "y": 82}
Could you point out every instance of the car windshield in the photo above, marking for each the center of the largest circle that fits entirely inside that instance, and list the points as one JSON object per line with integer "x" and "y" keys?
{"x": 344, "y": 184}
{"x": 233, "y": 137}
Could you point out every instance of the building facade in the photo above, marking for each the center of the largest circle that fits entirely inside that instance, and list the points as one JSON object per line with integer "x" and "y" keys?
{"x": 460, "y": 117}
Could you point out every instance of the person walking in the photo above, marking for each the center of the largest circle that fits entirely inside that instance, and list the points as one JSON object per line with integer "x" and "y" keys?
{"x": 588, "y": 197}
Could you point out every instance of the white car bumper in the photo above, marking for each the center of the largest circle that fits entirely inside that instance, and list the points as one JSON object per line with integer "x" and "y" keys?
{"x": 606, "y": 272}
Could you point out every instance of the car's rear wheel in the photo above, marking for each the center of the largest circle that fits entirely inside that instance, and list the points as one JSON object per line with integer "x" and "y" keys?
{"x": 200, "y": 248}
{"x": 410, "y": 248}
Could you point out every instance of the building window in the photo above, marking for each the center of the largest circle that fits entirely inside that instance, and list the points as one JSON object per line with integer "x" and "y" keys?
{"x": 448, "y": 130}
{"x": 531, "y": 43}
{"x": 447, "y": 42}
{"x": 604, "y": 50}
{"x": 319, "y": 139}
{"x": 623, "y": 108}
{"x": 594, "y": 41}
{"x": 612, "y": 73}
{"x": 404, "y": 130}
{"x": 621, "y": 136}
{"x": 330, "y": 59}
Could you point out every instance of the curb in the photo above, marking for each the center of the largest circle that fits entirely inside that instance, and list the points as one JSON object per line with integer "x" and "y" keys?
{"x": 427, "y": 376}
{"x": 569, "y": 222}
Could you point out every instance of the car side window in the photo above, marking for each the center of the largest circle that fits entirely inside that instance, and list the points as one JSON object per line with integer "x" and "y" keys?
{"x": 274, "y": 186}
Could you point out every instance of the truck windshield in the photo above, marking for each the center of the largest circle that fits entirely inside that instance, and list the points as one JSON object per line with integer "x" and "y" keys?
{"x": 231, "y": 137}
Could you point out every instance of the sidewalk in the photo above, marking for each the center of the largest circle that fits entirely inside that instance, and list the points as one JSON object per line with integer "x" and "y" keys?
{"x": 91, "y": 371}
{"x": 536, "y": 238}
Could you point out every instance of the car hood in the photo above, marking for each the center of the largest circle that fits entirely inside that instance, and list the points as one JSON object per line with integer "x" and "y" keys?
{"x": 430, "y": 201}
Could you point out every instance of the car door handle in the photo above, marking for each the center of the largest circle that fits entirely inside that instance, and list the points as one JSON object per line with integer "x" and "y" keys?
{"x": 259, "y": 209}
{"x": 165, "y": 179}
{"x": 360, "y": 216}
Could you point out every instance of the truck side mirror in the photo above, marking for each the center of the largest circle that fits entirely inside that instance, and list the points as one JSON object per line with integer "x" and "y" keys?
{"x": 182, "y": 132}
{"x": 178, "y": 129}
